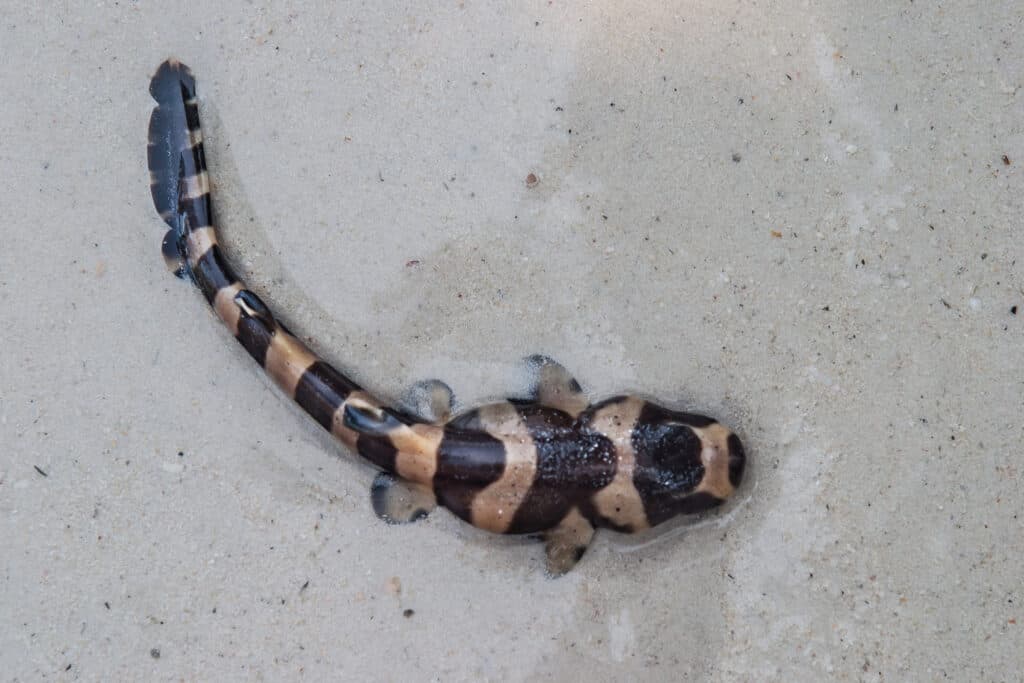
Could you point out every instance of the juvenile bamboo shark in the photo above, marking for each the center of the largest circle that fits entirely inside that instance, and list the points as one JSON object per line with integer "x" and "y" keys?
{"x": 551, "y": 465}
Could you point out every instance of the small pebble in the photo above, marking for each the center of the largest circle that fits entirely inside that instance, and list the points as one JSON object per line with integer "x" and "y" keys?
{"x": 155, "y": 653}
{"x": 532, "y": 180}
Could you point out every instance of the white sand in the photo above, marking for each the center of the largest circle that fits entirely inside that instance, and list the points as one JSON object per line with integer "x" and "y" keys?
{"x": 841, "y": 294}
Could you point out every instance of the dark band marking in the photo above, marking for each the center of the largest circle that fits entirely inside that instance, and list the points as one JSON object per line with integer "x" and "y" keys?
{"x": 571, "y": 466}
{"x": 668, "y": 461}
{"x": 255, "y": 336}
{"x": 321, "y": 391}
{"x": 197, "y": 211}
{"x": 191, "y": 109}
{"x": 211, "y": 273}
{"x": 198, "y": 151}
{"x": 467, "y": 462}
{"x": 378, "y": 449}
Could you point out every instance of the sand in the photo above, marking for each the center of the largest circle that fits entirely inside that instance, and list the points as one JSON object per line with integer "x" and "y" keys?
{"x": 801, "y": 218}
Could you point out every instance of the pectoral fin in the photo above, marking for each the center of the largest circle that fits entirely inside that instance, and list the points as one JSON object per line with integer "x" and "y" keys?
{"x": 555, "y": 387}
{"x": 399, "y": 502}
{"x": 566, "y": 543}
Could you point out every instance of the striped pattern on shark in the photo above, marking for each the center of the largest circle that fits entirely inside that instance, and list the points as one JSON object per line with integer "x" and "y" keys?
{"x": 552, "y": 464}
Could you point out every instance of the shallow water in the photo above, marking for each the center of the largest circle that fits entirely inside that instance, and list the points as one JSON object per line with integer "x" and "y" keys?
{"x": 795, "y": 218}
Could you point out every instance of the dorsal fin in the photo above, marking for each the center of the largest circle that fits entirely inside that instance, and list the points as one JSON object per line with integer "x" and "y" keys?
{"x": 366, "y": 418}
{"x": 253, "y": 307}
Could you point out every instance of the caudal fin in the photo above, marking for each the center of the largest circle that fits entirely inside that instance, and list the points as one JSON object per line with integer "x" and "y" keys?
{"x": 176, "y": 160}
{"x": 181, "y": 194}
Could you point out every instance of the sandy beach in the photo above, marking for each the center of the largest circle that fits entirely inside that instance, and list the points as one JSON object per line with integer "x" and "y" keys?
{"x": 801, "y": 218}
